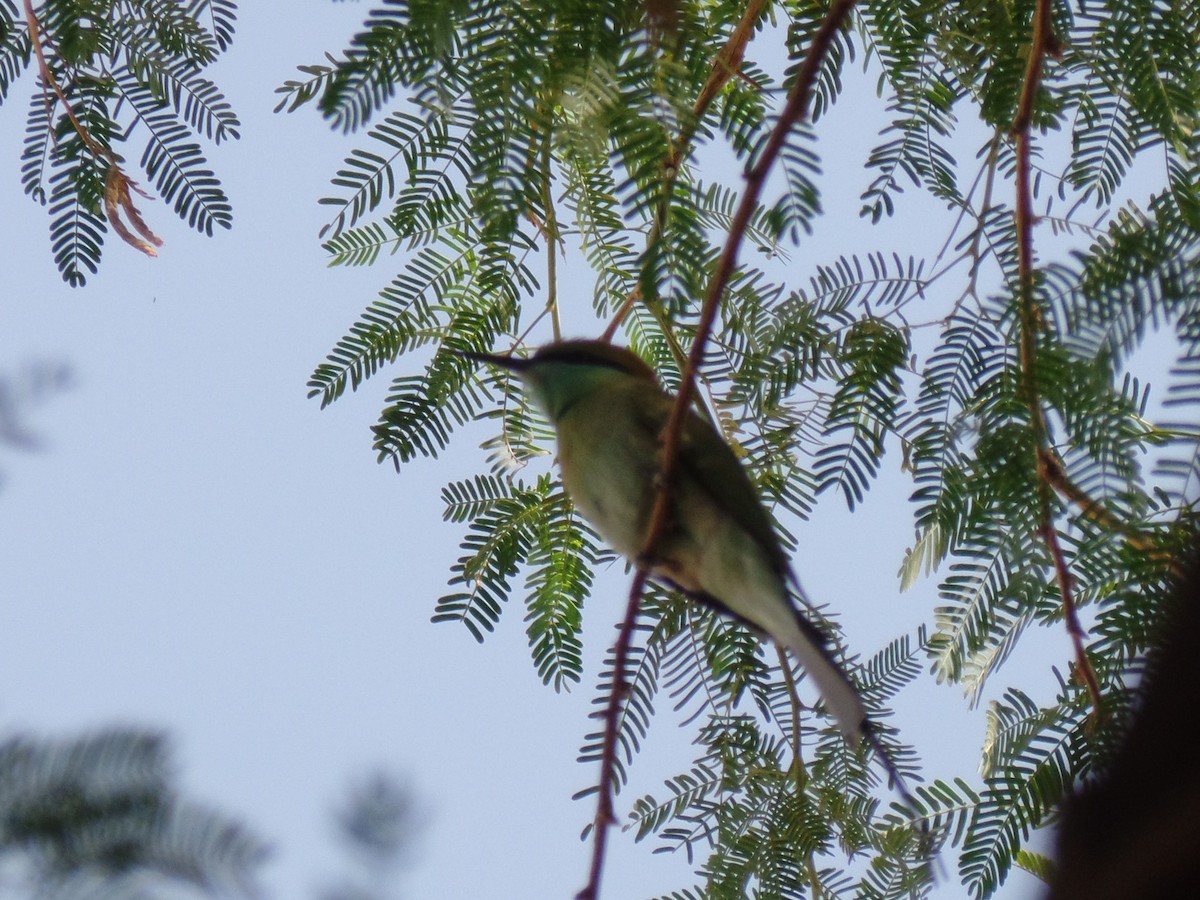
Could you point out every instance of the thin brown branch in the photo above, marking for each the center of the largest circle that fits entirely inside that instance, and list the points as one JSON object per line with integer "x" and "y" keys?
{"x": 1094, "y": 509}
{"x": 1066, "y": 585}
{"x": 551, "y": 233}
{"x": 630, "y": 301}
{"x": 1043, "y": 43}
{"x": 35, "y": 38}
{"x": 793, "y": 111}
{"x": 725, "y": 66}
{"x": 612, "y": 712}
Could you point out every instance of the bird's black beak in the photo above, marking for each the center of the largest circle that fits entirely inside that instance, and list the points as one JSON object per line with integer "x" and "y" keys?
{"x": 512, "y": 363}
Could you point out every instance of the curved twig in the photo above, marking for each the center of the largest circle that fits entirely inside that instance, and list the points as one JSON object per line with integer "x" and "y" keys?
{"x": 1043, "y": 43}
{"x": 794, "y": 110}
{"x": 725, "y": 66}
{"x": 117, "y": 185}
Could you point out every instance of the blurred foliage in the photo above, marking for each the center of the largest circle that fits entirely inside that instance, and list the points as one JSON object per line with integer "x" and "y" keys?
{"x": 98, "y": 816}
{"x": 22, "y": 390}
{"x": 376, "y": 826}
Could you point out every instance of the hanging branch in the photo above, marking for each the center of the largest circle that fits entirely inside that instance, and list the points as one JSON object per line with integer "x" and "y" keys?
{"x": 117, "y": 185}
{"x": 550, "y": 232}
{"x": 1093, "y": 509}
{"x": 727, "y": 64}
{"x": 795, "y": 109}
{"x": 1043, "y": 44}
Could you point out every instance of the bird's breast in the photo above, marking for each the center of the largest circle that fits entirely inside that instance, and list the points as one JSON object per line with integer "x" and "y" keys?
{"x": 608, "y": 463}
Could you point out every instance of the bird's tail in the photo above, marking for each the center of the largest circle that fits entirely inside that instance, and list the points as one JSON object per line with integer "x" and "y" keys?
{"x": 811, "y": 648}
{"x": 842, "y": 698}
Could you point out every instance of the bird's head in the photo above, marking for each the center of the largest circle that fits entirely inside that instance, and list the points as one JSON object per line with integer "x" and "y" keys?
{"x": 560, "y": 374}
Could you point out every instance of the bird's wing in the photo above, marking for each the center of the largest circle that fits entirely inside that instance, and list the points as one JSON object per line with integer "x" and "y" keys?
{"x": 710, "y": 461}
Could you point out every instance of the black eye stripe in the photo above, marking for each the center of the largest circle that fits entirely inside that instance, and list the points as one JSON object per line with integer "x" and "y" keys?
{"x": 575, "y": 356}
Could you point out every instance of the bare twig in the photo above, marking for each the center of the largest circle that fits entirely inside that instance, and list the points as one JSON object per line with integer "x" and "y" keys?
{"x": 551, "y": 233}
{"x": 619, "y": 692}
{"x": 794, "y": 110}
{"x": 725, "y": 66}
{"x": 1043, "y": 43}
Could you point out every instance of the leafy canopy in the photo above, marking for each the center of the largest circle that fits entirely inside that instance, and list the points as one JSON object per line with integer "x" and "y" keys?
{"x": 1002, "y": 368}
{"x": 501, "y": 138}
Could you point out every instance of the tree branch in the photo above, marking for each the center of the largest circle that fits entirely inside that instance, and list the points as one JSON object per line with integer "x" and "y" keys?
{"x": 725, "y": 66}
{"x": 1043, "y": 43}
{"x": 117, "y": 185}
{"x": 550, "y": 231}
{"x": 1096, "y": 511}
{"x": 794, "y": 110}
{"x": 1066, "y": 585}
{"x": 612, "y": 712}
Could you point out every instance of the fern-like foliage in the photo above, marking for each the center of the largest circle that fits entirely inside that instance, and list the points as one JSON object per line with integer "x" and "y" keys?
{"x": 773, "y": 821}
{"x": 513, "y": 527}
{"x": 501, "y": 140}
{"x": 118, "y": 75}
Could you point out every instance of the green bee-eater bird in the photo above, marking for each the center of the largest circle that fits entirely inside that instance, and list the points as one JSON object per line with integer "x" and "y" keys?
{"x": 720, "y": 547}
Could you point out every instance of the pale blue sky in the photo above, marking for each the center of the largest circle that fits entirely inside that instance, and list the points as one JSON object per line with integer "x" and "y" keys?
{"x": 199, "y": 548}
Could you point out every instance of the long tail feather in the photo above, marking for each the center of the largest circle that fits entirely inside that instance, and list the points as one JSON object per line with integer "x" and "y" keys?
{"x": 841, "y": 696}
{"x": 844, "y": 702}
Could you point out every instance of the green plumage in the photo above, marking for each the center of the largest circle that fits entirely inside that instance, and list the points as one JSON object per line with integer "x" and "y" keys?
{"x": 719, "y": 546}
